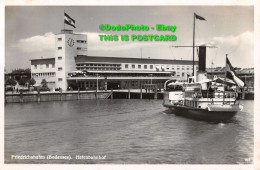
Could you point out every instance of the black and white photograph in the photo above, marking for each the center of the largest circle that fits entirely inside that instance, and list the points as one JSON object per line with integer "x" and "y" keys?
{"x": 134, "y": 85}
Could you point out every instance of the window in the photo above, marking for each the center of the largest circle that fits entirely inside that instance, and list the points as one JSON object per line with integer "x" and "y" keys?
{"x": 78, "y": 48}
{"x": 59, "y": 68}
{"x": 59, "y": 39}
{"x": 47, "y": 65}
{"x": 59, "y": 79}
{"x": 139, "y": 66}
{"x": 145, "y": 66}
{"x": 81, "y": 41}
{"x": 182, "y": 74}
{"x": 59, "y": 58}
{"x": 178, "y": 68}
{"x": 126, "y": 65}
{"x": 151, "y": 66}
{"x": 35, "y": 66}
{"x": 133, "y": 66}
{"x": 53, "y": 65}
{"x": 183, "y": 69}
{"x": 59, "y": 48}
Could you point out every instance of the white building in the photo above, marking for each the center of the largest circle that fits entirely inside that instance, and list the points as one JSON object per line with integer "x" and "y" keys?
{"x": 112, "y": 72}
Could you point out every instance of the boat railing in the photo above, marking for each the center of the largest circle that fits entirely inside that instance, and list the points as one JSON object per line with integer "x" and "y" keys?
{"x": 207, "y": 94}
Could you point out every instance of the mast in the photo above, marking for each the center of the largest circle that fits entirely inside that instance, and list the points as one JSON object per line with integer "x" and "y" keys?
{"x": 225, "y": 80}
{"x": 63, "y": 20}
{"x": 193, "y": 44}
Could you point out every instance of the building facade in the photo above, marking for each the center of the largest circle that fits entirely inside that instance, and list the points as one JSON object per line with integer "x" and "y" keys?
{"x": 102, "y": 72}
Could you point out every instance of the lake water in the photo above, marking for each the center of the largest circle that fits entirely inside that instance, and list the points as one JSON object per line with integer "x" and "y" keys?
{"x": 122, "y": 132}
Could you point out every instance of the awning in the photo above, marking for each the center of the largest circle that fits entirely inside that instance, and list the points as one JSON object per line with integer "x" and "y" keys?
{"x": 205, "y": 81}
{"x": 223, "y": 81}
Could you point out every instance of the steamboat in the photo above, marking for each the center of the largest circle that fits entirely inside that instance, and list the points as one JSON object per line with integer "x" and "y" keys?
{"x": 203, "y": 98}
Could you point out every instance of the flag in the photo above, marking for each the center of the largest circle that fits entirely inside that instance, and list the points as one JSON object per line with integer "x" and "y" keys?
{"x": 199, "y": 17}
{"x": 231, "y": 74}
{"x": 68, "y": 20}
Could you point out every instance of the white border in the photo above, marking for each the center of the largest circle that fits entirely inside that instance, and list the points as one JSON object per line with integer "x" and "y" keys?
{"x": 256, "y": 164}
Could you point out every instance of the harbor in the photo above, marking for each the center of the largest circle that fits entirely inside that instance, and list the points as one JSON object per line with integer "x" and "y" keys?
{"x": 23, "y": 97}
{"x": 126, "y": 131}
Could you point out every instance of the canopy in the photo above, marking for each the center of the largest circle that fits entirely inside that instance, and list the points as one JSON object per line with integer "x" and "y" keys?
{"x": 222, "y": 80}
{"x": 205, "y": 81}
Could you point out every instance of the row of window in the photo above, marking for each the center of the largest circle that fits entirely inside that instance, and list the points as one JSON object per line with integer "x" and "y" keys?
{"x": 82, "y": 48}
{"x": 104, "y": 65}
{"x": 88, "y": 84}
{"x": 133, "y": 66}
{"x": 78, "y": 41}
{"x": 78, "y": 48}
{"x": 96, "y": 68}
{"x": 139, "y": 66}
{"x": 48, "y": 74}
{"x": 182, "y": 74}
{"x": 46, "y": 66}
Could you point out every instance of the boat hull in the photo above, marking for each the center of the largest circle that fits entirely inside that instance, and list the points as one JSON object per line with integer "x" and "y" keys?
{"x": 201, "y": 114}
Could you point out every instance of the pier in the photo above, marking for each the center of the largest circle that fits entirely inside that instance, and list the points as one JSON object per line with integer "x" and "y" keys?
{"x": 23, "y": 97}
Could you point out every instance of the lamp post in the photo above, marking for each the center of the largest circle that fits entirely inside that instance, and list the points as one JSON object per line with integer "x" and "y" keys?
{"x": 97, "y": 82}
{"x": 151, "y": 78}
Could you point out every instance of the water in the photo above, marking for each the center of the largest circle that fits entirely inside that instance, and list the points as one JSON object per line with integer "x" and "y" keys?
{"x": 123, "y": 132}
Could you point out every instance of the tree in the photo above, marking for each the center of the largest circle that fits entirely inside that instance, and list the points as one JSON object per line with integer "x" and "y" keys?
{"x": 10, "y": 82}
{"x": 22, "y": 82}
{"x": 20, "y": 70}
{"x": 32, "y": 82}
{"x": 44, "y": 83}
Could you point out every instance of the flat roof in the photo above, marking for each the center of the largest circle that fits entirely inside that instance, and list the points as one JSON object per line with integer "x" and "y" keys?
{"x": 83, "y": 59}
{"x": 43, "y": 61}
{"x": 134, "y": 71}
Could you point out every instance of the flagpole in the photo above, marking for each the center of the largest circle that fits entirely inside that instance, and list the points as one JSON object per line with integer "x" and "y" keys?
{"x": 63, "y": 19}
{"x": 193, "y": 44}
{"x": 225, "y": 80}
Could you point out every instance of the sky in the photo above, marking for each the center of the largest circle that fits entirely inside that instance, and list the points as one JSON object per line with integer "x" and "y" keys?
{"x": 30, "y": 32}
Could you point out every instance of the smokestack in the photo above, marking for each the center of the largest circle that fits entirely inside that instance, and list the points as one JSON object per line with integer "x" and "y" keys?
{"x": 202, "y": 58}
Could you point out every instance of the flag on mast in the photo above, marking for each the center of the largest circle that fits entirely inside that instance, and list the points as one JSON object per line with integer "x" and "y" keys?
{"x": 199, "y": 17}
{"x": 68, "y": 20}
{"x": 231, "y": 74}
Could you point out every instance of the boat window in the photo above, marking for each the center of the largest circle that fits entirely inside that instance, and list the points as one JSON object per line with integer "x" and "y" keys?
{"x": 174, "y": 88}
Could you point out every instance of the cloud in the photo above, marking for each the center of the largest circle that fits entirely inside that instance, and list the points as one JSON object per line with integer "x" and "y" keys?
{"x": 240, "y": 49}
{"x": 36, "y": 44}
